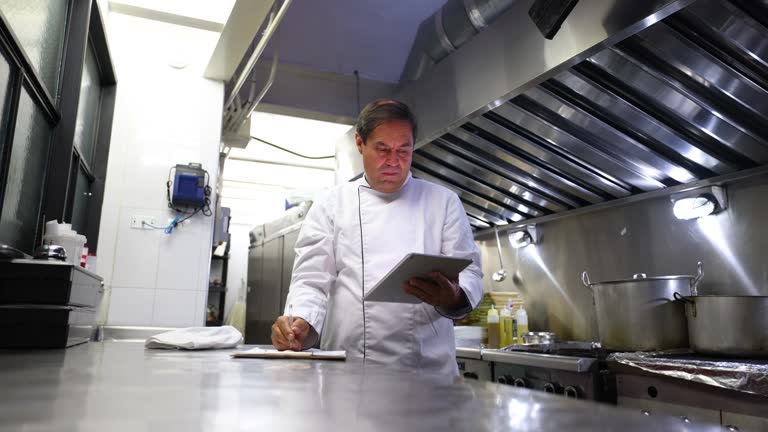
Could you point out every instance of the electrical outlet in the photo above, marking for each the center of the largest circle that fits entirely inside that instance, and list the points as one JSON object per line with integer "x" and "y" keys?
{"x": 140, "y": 222}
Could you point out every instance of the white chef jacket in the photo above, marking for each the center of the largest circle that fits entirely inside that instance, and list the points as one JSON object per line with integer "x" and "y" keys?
{"x": 349, "y": 240}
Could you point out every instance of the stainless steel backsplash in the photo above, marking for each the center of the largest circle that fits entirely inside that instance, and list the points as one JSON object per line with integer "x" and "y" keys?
{"x": 637, "y": 237}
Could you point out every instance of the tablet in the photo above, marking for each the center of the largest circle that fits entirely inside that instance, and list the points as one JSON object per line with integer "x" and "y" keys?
{"x": 390, "y": 287}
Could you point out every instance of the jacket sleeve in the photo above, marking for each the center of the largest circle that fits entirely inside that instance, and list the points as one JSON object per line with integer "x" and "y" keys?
{"x": 459, "y": 242}
{"x": 314, "y": 269}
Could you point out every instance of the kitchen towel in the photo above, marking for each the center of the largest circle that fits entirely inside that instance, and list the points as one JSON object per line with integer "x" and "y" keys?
{"x": 193, "y": 338}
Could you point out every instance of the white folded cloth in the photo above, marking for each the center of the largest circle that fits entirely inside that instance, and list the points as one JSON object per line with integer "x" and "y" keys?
{"x": 196, "y": 338}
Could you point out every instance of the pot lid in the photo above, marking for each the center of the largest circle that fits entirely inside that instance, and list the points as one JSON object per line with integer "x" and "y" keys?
{"x": 644, "y": 279}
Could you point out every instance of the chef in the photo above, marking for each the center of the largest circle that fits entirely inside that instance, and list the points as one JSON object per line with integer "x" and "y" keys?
{"x": 357, "y": 233}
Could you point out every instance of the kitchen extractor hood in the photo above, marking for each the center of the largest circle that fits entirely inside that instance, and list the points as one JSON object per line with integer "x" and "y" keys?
{"x": 678, "y": 96}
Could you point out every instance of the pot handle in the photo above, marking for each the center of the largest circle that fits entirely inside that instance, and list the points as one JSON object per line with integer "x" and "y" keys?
{"x": 585, "y": 280}
{"x": 682, "y": 299}
{"x": 679, "y": 297}
{"x": 697, "y": 280}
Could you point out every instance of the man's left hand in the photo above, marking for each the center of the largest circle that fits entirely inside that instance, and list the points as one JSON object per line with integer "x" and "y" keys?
{"x": 440, "y": 291}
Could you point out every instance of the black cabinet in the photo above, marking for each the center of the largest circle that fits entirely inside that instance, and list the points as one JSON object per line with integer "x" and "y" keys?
{"x": 217, "y": 282}
{"x": 47, "y": 304}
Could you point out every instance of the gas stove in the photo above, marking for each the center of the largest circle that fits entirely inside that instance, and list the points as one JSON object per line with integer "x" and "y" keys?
{"x": 572, "y": 369}
{"x": 695, "y": 388}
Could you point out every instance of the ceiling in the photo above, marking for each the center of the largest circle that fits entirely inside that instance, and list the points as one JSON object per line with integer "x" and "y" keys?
{"x": 341, "y": 36}
{"x": 307, "y": 137}
{"x": 215, "y": 12}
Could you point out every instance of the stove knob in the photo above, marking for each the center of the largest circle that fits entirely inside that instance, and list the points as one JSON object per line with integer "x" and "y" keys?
{"x": 572, "y": 392}
{"x": 731, "y": 428}
{"x": 520, "y": 382}
{"x": 504, "y": 379}
{"x": 551, "y": 388}
{"x": 471, "y": 375}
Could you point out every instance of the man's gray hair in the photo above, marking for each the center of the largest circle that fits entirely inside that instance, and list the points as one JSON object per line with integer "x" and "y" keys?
{"x": 380, "y": 111}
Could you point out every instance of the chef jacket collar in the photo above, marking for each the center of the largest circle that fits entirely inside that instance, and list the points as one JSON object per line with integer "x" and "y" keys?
{"x": 364, "y": 182}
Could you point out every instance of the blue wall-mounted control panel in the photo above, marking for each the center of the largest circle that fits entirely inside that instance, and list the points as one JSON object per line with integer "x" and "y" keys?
{"x": 189, "y": 186}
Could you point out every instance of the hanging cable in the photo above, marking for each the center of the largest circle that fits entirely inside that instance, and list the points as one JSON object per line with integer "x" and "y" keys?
{"x": 292, "y": 152}
{"x": 357, "y": 89}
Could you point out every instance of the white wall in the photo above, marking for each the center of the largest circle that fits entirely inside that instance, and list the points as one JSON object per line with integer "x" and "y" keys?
{"x": 256, "y": 191}
{"x": 163, "y": 116}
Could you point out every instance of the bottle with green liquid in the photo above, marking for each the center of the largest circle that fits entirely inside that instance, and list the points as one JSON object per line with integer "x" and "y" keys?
{"x": 507, "y": 325}
{"x": 494, "y": 332}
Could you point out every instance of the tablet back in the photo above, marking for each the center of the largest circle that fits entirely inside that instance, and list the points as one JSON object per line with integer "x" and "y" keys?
{"x": 390, "y": 287}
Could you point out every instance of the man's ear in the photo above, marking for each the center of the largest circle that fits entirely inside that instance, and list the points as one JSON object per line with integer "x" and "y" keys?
{"x": 359, "y": 142}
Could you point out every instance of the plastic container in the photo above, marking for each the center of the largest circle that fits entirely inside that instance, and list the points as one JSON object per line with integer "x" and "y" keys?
{"x": 505, "y": 328}
{"x": 494, "y": 332}
{"x": 84, "y": 256}
{"x": 62, "y": 235}
{"x": 522, "y": 323}
{"x": 507, "y": 325}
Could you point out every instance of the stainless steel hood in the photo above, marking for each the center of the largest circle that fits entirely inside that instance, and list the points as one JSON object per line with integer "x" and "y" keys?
{"x": 684, "y": 99}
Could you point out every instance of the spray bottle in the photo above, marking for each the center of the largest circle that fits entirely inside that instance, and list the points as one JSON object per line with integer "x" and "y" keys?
{"x": 522, "y": 323}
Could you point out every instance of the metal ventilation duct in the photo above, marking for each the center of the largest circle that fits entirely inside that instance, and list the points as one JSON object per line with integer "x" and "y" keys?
{"x": 683, "y": 100}
{"x": 447, "y": 29}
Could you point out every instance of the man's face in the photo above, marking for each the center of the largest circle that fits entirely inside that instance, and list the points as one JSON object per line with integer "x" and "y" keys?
{"x": 387, "y": 155}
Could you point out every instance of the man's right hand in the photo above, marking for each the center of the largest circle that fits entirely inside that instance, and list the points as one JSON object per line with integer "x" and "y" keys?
{"x": 289, "y": 337}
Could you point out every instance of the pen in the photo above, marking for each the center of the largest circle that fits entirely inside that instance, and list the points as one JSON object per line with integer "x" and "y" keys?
{"x": 290, "y": 316}
{"x": 290, "y": 320}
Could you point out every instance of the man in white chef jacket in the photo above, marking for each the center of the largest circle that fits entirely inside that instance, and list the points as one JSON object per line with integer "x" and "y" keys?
{"x": 359, "y": 231}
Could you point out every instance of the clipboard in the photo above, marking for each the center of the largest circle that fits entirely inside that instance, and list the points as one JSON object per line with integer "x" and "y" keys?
{"x": 311, "y": 354}
{"x": 390, "y": 287}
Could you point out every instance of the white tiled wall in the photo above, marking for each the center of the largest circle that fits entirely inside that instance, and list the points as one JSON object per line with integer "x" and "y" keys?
{"x": 135, "y": 306}
{"x": 163, "y": 116}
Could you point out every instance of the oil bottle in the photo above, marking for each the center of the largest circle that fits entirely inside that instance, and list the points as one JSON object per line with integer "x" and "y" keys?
{"x": 494, "y": 332}
{"x": 507, "y": 328}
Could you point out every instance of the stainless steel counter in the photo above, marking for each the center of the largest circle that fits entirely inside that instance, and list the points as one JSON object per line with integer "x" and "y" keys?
{"x": 119, "y": 386}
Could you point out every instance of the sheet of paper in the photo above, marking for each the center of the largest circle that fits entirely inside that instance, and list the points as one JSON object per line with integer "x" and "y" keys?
{"x": 309, "y": 354}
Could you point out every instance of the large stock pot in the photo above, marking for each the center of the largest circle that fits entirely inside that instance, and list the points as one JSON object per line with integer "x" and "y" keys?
{"x": 641, "y": 314}
{"x": 727, "y": 325}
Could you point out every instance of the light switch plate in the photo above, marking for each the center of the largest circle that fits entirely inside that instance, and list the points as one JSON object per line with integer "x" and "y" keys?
{"x": 139, "y": 222}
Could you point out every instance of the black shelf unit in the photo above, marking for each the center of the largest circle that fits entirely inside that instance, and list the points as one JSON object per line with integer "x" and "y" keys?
{"x": 217, "y": 293}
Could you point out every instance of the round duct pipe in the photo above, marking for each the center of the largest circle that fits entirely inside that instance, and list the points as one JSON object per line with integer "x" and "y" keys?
{"x": 453, "y": 25}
